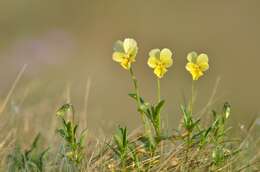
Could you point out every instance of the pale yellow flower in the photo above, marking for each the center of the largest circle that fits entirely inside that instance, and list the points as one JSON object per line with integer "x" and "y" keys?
{"x": 160, "y": 61}
{"x": 125, "y": 52}
{"x": 197, "y": 64}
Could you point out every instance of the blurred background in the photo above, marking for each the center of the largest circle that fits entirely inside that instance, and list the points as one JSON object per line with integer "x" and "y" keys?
{"x": 67, "y": 46}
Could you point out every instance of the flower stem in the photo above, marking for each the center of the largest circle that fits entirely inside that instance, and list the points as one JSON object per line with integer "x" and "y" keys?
{"x": 158, "y": 129}
{"x": 138, "y": 97}
{"x": 158, "y": 90}
{"x": 192, "y": 97}
{"x": 135, "y": 86}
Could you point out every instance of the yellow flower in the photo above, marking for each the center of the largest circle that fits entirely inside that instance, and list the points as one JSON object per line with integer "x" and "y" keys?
{"x": 125, "y": 52}
{"x": 197, "y": 64}
{"x": 160, "y": 61}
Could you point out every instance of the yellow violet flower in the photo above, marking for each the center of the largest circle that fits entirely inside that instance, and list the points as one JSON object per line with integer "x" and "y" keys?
{"x": 125, "y": 52}
{"x": 160, "y": 60}
{"x": 197, "y": 64}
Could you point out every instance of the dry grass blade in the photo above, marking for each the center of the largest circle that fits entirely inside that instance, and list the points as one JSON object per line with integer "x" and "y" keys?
{"x": 9, "y": 94}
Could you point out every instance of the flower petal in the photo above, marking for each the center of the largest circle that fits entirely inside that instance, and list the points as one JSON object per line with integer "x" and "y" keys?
{"x": 191, "y": 57}
{"x": 189, "y": 66}
{"x": 118, "y": 57}
{"x": 202, "y": 58}
{"x": 194, "y": 70}
{"x": 154, "y": 53}
{"x": 204, "y": 66}
{"x": 166, "y": 57}
{"x": 202, "y": 61}
{"x": 152, "y": 62}
{"x": 118, "y": 46}
{"x": 130, "y": 46}
{"x": 132, "y": 55}
{"x": 196, "y": 74}
{"x": 126, "y": 64}
{"x": 159, "y": 72}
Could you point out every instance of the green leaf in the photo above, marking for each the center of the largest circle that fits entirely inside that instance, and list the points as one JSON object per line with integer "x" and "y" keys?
{"x": 75, "y": 129}
{"x": 195, "y": 123}
{"x": 82, "y": 136}
{"x": 159, "y": 106}
{"x": 134, "y": 96}
{"x": 33, "y": 146}
{"x": 61, "y": 132}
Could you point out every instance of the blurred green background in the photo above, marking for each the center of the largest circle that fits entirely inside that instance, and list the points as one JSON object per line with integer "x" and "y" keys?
{"x": 67, "y": 43}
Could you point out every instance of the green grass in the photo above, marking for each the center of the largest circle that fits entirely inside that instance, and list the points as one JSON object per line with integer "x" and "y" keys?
{"x": 62, "y": 144}
{"x": 195, "y": 145}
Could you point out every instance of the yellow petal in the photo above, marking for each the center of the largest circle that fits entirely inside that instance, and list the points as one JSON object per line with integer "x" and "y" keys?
{"x": 126, "y": 64}
{"x": 132, "y": 55}
{"x": 194, "y": 70}
{"x": 196, "y": 74}
{"x": 202, "y": 58}
{"x": 192, "y": 56}
{"x": 154, "y": 53}
{"x": 202, "y": 61}
{"x": 130, "y": 46}
{"x": 204, "y": 66}
{"x": 166, "y": 57}
{"x": 189, "y": 66}
{"x": 159, "y": 72}
{"x": 118, "y": 57}
{"x": 152, "y": 62}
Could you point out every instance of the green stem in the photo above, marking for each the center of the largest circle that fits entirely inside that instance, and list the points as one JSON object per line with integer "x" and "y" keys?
{"x": 158, "y": 130}
{"x": 123, "y": 164}
{"x": 135, "y": 87}
{"x": 73, "y": 114}
{"x": 192, "y": 97}
{"x": 138, "y": 96}
{"x": 158, "y": 90}
{"x": 192, "y": 100}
